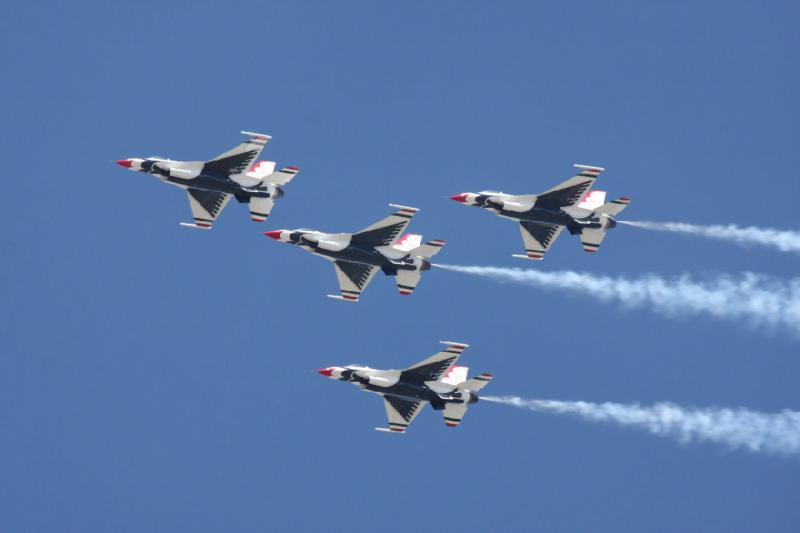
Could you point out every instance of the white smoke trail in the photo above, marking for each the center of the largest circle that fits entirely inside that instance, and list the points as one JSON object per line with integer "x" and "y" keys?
{"x": 737, "y": 428}
{"x": 753, "y": 298}
{"x": 785, "y": 241}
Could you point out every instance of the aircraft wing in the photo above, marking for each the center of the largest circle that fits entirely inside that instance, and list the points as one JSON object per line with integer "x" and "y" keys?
{"x": 572, "y": 191}
{"x": 385, "y": 231}
{"x": 435, "y": 366}
{"x": 239, "y": 159}
{"x": 538, "y": 238}
{"x": 353, "y": 279}
{"x": 401, "y": 412}
{"x": 206, "y": 207}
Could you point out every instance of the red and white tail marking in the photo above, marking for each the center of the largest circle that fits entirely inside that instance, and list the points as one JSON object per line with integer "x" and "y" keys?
{"x": 456, "y": 375}
{"x": 592, "y": 200}
{"x": 261, "y": 169}
{"x": 407, "y": 242}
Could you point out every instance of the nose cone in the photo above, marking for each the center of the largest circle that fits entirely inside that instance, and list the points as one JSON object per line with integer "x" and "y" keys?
{"x": 325, "y": 372}
{"x": 275, "y": 234}
{"x": 127, "y": 163}
{"x": 459, "y": 197}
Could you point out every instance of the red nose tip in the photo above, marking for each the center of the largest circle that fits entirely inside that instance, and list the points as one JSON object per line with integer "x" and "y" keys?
{"x": 124, "y": 163}
{"x": 459, "y": 197}
{"x": 276, "y": 234}
{"x": 325, "y": 371}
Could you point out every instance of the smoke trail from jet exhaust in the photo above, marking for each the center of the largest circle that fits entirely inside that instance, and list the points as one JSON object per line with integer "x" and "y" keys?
{"x": 785, "y": 241}
{"x": 736, "y": 428}
{"x": 753, "y": 298}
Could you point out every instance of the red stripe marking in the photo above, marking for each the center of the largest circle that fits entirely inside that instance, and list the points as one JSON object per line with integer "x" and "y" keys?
{"x": 202, "y": 225}
{"x": 345, "y": 296}
{"x": 396, "y": 429}
{"x": 450, "y": 424}
{"x": 405, "y": 293}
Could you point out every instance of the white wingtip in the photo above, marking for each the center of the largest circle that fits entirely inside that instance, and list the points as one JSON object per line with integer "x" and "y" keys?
{"x": 518, "y": 256}
{"x": 589, "y": 167}
{"x": 188, "y": 225}
{"x": 404, "y": 207}
{"x": 461, "y": 345}
{"x": 387, "y": 430}
{"x": 257, "y": 135}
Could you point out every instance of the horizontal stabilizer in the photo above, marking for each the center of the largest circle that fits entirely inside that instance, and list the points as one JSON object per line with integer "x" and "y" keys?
{"x": 614, "y": 207}
{"x": 591, "y": 239}
{"x": 407, "y": 281}
{"x": 282, "y": 177}
{"x": 453, "y": 413}
{"x": 430, "y": 248}
{"x": 477, "y": 383}
{"x": 260, "y": 208}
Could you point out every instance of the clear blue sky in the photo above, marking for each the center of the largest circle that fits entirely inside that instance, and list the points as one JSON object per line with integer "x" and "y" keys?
{"x": 154, "y": 378}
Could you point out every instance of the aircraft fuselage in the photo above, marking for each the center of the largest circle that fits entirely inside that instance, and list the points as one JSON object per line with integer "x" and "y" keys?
{"x": 408, "y": 390}
{"x": 205, "y": 181}
{"x": 355, "y": 254}
{"x": 546, "y": 215}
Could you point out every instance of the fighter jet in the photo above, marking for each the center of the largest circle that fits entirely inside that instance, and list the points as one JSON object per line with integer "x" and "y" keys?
{"x": 211, "y": 184}
{"x": 541, "y": 217}
{"x": 436, "y": 380}
{"x": 357, "y": 257}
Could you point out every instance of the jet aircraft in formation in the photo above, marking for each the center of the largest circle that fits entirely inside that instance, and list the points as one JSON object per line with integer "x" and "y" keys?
{"x": 541, "y": 217}
{"x": 357, "y": 257}
{"x": 436, "y": 379}
{"x": 211, "y": 184}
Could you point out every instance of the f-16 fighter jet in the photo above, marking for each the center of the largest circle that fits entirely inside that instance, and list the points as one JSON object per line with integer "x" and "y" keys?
{"x": 541, "y": 217}
{"x": 211, "y": 184}
{"x": 436, "y": 380}
{"x": 357, "y": 257}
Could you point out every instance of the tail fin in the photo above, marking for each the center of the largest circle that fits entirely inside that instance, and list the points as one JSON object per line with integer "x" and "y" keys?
{"x": 593, "y": 200}
{"x": 407, "y": 242}
{"x": 613, "y": 207}
{"x": 261, "y": 170}
{"x": 455, "y": 376}
{"x": 429, "y": 249}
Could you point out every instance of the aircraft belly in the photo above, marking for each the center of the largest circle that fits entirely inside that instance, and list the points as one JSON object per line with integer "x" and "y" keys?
{"x": 205, "y": 183}
{"x": 355, "y": 255}
{"x": 546, "y": 217}
{"x": 405, "y": 391}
